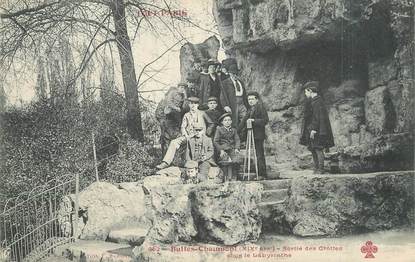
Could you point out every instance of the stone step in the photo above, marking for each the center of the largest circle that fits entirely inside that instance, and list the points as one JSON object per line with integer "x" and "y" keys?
{"x": 132, "y": 236}
{"x": 276, "y": 184}
{"x": 271, "y": 203}
{"x": 94, "y": 251}
{"x": 266, "y": 209}
{"x": 274, "y": 195}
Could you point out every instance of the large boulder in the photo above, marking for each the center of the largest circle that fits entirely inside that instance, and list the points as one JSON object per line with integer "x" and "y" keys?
{"x": 222, "y": 213}
{"x": 339, "y": 205}
{"x": 104, "y": 207}
{"x": 228, "y": 213}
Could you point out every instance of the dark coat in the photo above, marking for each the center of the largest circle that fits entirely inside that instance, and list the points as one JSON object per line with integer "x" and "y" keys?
{"x": 316, "y": 118}
{"x": 208, "y": 88}
{"x": 228, "y": 97}
{"x": 260, "y": 116}
{"x": 226, "y": 139}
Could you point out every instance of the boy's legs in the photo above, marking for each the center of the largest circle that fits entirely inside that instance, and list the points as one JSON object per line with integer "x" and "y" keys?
{"x": 259, "y": 148}
{"x": 318, "y": 159}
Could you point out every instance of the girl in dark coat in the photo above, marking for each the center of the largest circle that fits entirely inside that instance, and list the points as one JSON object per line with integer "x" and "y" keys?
{"x": 316, "y": 129}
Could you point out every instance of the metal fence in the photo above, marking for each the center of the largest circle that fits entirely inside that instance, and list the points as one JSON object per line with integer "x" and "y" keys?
{"x": 34, "y": 223}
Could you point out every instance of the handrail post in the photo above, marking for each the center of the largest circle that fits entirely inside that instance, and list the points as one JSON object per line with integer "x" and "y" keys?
{"x": 95, "y": 157}
{"x": 75, "y": 222}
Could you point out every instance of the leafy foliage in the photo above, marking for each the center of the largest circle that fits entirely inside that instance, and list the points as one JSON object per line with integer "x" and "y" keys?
{"x": 42, "y": 141}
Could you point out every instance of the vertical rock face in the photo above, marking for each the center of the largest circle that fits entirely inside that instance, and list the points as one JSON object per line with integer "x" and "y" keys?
{"x": 362, "y": 54}
{"x": 189, "y": 52}
{"x": 327, "y": 206}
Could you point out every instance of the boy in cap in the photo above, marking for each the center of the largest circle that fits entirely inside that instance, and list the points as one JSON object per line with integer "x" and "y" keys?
{"x": 227, "y": 142}
{"x": 191, "y": 119}
{"x": 213, "y": 113}
{"x": 316, "y": 129}
{"x": 191, "y": 172}
{"x": 257, "y": 118}
{"x": 200, "y": 149}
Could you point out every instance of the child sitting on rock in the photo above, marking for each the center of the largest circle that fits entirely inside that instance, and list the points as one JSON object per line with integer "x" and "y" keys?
{"x": 227, "y": 142}
{"x": 191, "y": 172}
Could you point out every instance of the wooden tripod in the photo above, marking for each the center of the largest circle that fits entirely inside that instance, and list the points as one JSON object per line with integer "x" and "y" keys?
{"x": 250, "y": 146}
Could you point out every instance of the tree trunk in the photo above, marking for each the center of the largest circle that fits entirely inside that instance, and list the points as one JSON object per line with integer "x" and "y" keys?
{"x": 134, "y": 125}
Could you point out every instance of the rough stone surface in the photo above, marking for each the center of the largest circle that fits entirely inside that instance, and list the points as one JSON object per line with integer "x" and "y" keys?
{"x": 329, "y": 206}
{"x": 189, "y": 52}
{"x": 228, "y": 214}
{"x": 223, "y": 213}
{"x": 104, "y": 207}
{"x": 361, "y": 52}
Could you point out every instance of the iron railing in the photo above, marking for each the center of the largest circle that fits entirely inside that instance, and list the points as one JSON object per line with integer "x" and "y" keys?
{"x": 33, "y": 223}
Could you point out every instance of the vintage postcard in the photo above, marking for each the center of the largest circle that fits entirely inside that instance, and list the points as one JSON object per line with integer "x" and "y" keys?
{"x": 207, "y": 130}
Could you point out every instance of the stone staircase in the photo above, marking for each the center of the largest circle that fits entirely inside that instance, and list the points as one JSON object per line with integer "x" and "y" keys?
{"x": 272, "y": 204}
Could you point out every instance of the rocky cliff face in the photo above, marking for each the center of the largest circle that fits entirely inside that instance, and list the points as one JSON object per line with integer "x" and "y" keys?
{"x": 362, "y": 53}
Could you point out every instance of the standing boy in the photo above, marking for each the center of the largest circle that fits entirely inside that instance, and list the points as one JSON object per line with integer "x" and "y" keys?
{"x": 257, "y": 118}
{"x": 316, "y": 130}
{"x": 213, "y": 113}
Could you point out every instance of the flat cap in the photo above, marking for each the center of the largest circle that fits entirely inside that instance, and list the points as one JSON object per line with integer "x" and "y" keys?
{"x": 223, "y": 116}
{"x": 213, "y": 62}
{"x": 191, "y": 164}
{"x": 193, "y": 99}
{"x": 213, "y": 98}
{"x": 182, "y": 84}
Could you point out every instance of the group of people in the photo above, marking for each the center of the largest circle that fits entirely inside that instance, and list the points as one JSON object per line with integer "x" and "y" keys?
{"x": 205, "y": 121}
{"x": 207, "y": 118}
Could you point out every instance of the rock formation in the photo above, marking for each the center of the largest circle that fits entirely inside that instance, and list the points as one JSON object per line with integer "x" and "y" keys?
{"x": 105, "y": 207}
{"x": 189, "y": 52}
{"x": 346, "y": 204}
{"x": 362, "y": 53}
{"x": 220, "y": 213}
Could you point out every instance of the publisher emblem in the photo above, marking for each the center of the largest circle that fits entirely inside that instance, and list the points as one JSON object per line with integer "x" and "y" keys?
{"x": 369, "y": 249}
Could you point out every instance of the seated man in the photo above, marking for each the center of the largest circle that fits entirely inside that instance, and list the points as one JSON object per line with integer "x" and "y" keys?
{"x": 200, "y": 150}
{"x": 194, "y": 117}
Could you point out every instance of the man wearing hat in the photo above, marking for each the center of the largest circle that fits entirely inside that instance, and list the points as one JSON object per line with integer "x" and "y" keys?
{"x": 169, "y": 113}
{"x": 316, "y": 131}
{"x": 194, "y": 117}
{"x": 209, "y": 83}
{"x": 192, "y": 83}
{"x": 200, "y": 149}
{"x": 226, "y": 63}
{"x": 257, "y": 118}
{"x": 233, "y": 96}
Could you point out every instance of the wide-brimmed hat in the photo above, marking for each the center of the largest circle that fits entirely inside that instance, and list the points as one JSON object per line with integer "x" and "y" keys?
{"x": 223, "y": 116}
{"x": 228, "y": 62}
{"x": 182, "y": 84}
{"x": 312, "y": 85}
{"x": 193, "y": 99}
{"x": 213, "y": 62}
